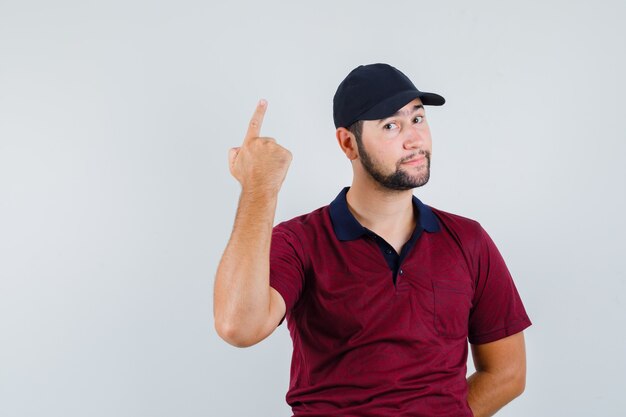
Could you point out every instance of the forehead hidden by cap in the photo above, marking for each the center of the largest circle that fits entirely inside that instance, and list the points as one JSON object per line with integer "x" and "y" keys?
{"x": 375, "y": 91}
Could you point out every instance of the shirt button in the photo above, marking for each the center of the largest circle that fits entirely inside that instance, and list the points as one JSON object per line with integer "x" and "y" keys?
{"x": 401, "y": 272}
{"x": 389, "y": 251}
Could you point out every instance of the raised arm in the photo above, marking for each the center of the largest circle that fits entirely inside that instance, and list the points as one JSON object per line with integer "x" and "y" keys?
{"x": 245, "y": 308}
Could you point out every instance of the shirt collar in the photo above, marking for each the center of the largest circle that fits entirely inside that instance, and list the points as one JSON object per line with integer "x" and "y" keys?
{"x": 347, "y": 227}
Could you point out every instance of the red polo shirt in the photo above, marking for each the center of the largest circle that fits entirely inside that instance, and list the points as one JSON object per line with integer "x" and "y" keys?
{"x": 385, "y": 334}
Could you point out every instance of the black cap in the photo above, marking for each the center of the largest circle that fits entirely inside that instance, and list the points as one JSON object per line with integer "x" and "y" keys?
{"x": 375, "y": 91}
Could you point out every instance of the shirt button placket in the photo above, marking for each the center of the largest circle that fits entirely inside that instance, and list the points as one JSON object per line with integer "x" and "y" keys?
{"x": 399, "y": 282}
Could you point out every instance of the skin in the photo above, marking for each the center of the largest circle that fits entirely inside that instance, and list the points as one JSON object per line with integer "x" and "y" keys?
{"x": 392, "y": 159}
{"x": 397, "y": 143}
{"x": 500, "y": 374}
{"x": 245, "y": 308}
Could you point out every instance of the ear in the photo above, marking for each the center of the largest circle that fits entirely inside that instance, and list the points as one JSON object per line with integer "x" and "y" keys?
{"x": 347, "y": 142}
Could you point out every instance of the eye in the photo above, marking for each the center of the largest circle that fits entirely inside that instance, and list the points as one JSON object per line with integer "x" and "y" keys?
{"x": 418, "y": 119}
{"x": 389, "y": 126}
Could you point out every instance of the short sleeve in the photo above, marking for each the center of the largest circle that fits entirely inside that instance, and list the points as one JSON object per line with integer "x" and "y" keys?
{"x": 286, "y": 265}
{"x": 497, "y": 309}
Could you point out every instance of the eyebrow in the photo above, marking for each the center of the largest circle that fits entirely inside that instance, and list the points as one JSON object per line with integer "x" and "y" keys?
{"x": 403, "y": 112}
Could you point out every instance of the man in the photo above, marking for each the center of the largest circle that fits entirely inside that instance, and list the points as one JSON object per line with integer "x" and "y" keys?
{"x": 381, "y": 292}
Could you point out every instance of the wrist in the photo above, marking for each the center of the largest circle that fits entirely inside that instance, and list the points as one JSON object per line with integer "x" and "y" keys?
{"x": 260, "y": 191}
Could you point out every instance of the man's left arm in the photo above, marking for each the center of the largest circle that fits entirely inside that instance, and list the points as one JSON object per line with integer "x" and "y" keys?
{"x": 500, "y": 374}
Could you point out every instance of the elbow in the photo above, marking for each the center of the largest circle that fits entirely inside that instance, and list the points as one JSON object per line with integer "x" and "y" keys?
{"x": 519, "y": 384}
{"x": 233, "y": 335}
{"x": 516, "y": 382}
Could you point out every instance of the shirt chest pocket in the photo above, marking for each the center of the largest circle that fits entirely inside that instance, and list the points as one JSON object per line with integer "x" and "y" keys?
{"x": 452, "y": 304}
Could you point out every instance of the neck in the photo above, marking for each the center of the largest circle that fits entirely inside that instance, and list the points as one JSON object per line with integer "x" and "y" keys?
{"x": 384, "y": 211}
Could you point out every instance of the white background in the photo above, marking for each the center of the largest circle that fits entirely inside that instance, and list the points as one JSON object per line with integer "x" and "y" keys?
{"x": 116, "y": 201}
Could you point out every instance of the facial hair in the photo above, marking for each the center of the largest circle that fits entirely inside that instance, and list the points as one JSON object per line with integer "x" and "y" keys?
{"x": 399, "y": 180}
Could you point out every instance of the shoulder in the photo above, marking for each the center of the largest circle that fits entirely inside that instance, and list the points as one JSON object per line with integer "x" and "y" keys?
{"x": 468, "y": 234}
{"x": 305, "y": 224}
{"x": 463, "y": 232}
{"x": 299, "y": 234}
{"x": 456, "y": 223}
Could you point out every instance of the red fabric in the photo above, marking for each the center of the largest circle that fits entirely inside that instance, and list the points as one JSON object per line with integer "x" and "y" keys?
{"x": 363, "y": 346}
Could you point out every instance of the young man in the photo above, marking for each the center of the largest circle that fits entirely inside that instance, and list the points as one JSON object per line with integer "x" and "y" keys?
{"x": 381, "y": 292}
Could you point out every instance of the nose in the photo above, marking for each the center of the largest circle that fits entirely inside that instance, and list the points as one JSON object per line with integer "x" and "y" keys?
{"x": 414, "y": 138}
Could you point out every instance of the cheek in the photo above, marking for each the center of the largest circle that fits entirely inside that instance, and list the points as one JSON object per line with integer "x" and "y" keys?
{"x": 428, "y": 144}
{"x": 427, "y": 141}
{"x": 381, "y": 155}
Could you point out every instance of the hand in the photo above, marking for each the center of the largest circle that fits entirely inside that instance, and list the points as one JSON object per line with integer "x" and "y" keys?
{"x": 259, "y": 164}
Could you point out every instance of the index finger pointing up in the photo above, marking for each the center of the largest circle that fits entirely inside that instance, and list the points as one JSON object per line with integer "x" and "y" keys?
{"x": 254, "y": 128}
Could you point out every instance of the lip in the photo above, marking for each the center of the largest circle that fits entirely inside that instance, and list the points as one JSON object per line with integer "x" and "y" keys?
{"x": 415, "y": 161}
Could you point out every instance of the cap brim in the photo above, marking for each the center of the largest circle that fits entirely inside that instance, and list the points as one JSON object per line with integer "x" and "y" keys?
{"x": 394, "y": 103}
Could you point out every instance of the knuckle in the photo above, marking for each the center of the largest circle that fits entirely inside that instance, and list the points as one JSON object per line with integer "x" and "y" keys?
{"x": 285, "y": 155}
{"x": 268, "y": 141}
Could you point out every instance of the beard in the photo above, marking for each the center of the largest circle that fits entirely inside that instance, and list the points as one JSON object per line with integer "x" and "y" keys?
{"x": 398, "y": 180}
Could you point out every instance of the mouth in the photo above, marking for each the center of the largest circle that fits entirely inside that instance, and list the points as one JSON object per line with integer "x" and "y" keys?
{"x": 415, "y": 161}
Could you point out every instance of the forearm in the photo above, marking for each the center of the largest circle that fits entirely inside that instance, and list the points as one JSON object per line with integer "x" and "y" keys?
{"x": 242, "y": 291}
{"x": 488, "y": 392}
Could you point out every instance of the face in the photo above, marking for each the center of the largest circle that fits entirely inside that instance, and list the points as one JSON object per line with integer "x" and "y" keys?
{"x": 395, "y": 151}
